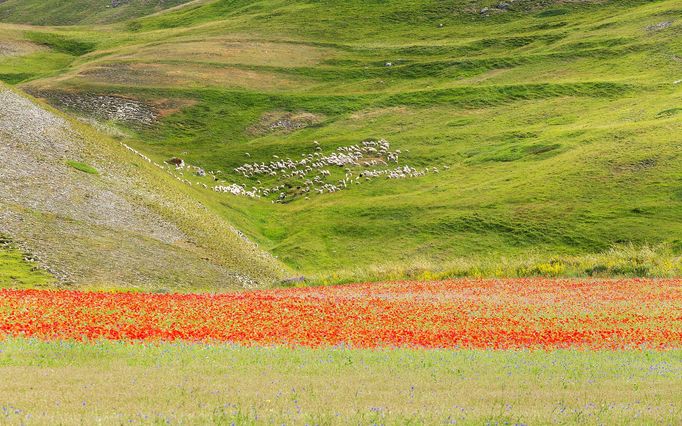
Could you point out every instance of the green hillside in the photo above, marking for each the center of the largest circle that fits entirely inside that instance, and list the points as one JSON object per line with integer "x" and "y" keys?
{"x": 16, "y": 269}
{"x": 81, "y": 210}
{"x": 553, "y": 126}
{"x": 71, "y": 12}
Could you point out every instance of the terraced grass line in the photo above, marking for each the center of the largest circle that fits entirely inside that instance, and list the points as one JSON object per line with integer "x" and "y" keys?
{"x": 14, "y": 78}
{"x": 60, "y": 43}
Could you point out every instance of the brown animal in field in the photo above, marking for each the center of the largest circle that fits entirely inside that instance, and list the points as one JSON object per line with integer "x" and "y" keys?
{"x": 177, "y": 162}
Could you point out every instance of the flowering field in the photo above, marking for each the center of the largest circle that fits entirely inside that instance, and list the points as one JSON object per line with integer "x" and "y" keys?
{"x": 467, "y": 314}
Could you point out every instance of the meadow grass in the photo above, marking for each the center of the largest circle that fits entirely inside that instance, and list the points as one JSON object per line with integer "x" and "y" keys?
{"x": 557, "y": 122}
{"x": 82, "y": 167}
{"x": 17, "y": 272}
{"x": 55, "y": 12}
{"x": 60, "y": 43}
{"x": 116, "y": 382}
{"x": 618, "y": 261}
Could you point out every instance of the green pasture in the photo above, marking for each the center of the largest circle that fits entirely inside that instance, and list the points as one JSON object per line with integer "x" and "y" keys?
{"x": 553, "y": 126}
{"x": 17, "y": 271}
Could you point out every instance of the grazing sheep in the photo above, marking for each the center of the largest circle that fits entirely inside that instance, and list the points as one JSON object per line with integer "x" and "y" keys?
{"x": 312, "y": 169}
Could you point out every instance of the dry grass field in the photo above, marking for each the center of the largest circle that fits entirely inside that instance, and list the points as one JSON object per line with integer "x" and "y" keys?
{"x": 161, "y": 383}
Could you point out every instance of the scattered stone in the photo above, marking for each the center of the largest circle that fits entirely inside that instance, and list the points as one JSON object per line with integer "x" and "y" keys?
{"x": 294, "y": 280}
{"x": 104, "y": 107}
{"x": 498, "y": 8}
{"x": 660, "y": 26}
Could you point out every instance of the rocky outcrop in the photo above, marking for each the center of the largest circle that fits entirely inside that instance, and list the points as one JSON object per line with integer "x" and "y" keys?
{"x": 102, "y": 107}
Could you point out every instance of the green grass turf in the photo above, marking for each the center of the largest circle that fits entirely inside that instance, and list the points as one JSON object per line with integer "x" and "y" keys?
{"x": 157, "y": 383}
{"x": 59, "y": 12}
{"x": 83, "y": 167}
{"x": 558, "y": 122}
{"x": 16, "y": 271}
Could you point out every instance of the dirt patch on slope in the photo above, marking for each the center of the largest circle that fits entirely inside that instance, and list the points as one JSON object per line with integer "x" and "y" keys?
{"x": 187, "y": 74}
{"x": 166, "y": 107}
{"x": 635, "y": 166}
{"x": 284, "y": 122}
{"x": 246, "y": 52}
{"x": 18, "y": 48}
{"x": 378, "y": 112}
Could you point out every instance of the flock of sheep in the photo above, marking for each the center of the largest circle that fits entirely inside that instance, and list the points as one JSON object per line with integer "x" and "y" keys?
{"x": 314, "y": 173}
{"x": 319, "y": 173}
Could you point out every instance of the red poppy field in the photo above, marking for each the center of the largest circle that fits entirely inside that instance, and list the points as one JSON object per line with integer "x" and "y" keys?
{"x": 466, "y": 314}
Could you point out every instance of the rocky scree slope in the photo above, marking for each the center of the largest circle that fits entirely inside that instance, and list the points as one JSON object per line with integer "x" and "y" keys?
{"x": 96, "y": 214}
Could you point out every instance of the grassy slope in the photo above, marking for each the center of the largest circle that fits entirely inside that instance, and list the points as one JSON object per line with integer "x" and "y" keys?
{"x": 558, "y": 123}
{"x": 158, "y": 383}
{"x": 16, "y": 271}
{"x": 209, "y": 256}
{"x": 60, "y": 12}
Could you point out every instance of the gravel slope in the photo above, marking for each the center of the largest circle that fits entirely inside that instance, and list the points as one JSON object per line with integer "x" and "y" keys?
{"x": 110, "y": 228}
